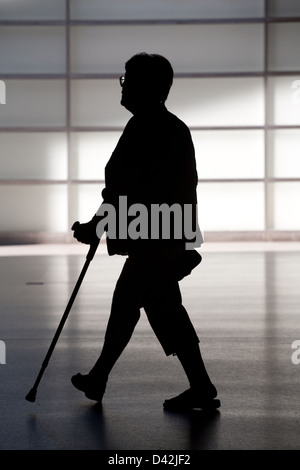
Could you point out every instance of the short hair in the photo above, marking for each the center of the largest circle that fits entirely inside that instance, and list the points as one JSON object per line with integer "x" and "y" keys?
{"x": 155, "y": 69}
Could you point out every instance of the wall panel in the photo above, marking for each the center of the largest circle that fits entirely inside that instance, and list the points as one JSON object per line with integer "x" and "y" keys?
{"x": 190, "y": 48}
{"x": 237, "y": 86}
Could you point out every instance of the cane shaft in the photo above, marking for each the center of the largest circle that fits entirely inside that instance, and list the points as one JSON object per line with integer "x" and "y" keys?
{"x": 89, "y": 258}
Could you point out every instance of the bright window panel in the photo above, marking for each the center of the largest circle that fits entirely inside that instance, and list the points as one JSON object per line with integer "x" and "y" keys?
{"x": 33, "y": 208}
{"x": 199, "y": 102}
{"x": 161, "y": 9}
{"x": 229, "y": 154}
{"x": 33, "y": 156}
{"x": 284, "y": 50}
{"x": 33, "y": 103}
{"x": 97, "y": 103}
{"x": 85, "y": 200}
{"x": 284, "y": 200}
{"x": 284, "y": 100}
{"x": 230, "y": 206}
{"x": 32, "y": 10}
{"x": 218, "y": 48}
{"x": 285, "y": 8}
{"x": 90, "y": 151}
{"x": 218, "y": 101}
{"x": 284, "y": 153}
{"x": 32, "y": 49}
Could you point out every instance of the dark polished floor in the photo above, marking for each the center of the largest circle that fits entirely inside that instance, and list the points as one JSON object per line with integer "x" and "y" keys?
{"x": 245, "y": 306}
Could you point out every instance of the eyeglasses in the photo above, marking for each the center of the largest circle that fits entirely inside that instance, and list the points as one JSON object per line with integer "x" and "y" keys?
{"x": 122, "y": 80}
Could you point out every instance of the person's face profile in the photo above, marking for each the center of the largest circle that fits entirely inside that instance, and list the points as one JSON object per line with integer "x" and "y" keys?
{"x": 135, "y": 91}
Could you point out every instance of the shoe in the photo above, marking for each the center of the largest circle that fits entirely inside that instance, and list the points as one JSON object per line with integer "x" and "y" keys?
{"x": 92, "y": 390}
{"x": 190, "y": 400}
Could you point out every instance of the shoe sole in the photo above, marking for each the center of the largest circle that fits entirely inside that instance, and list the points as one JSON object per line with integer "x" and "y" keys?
{"x": 209, "y": 405}
{"x": 94, "y": 397}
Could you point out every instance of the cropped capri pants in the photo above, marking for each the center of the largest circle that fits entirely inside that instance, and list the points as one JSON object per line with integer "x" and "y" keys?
{"x": 152, "y": 285}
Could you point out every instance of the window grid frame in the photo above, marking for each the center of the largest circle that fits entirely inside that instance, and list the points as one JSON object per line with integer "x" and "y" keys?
{"x": 267, "y": 234}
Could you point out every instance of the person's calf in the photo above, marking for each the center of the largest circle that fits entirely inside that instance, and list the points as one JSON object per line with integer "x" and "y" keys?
{"x": 191, "y": 360}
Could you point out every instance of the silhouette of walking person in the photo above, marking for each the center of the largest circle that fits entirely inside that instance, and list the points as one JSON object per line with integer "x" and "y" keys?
{"x": 152, "y": 164}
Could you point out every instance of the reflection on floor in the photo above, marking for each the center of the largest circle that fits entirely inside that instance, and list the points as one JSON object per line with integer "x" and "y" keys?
{"x": 245, "y": 306}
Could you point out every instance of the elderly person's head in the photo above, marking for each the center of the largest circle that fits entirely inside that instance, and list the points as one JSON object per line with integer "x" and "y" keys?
{"x": 147, "y": 81}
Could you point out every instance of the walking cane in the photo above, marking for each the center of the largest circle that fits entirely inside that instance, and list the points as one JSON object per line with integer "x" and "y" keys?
{"x": 31, "y": 396}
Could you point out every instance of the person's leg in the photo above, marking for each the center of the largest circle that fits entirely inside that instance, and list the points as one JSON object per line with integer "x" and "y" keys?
{"x": 122, "y": 321}
{"x": 175, "y": 331}
{"x": 124, "y": 316}
{"x": 202, "y": 392}
{"x": 192, "y": 362}
{"x": 167, "y": 316}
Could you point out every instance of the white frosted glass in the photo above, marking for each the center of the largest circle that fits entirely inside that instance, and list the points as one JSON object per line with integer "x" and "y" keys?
{"x": 284, "y": 199}
{"x": 284, "y": 101}
{"x": 97, "y": 103}
{"x": 229, "y": 154}
{"x": 190, "y": 48}
{"x": 32, "y": 49}
{"x": 32, "y": 9}
{"x": 85, "y": 200}
{"x": 33, "y": 208}
{"x": 199, "y": 102}
{"x": 285, "y": 8}
{"x": 164, "y": 9}
{"x": 33, "y": 103}
{"x": 284, "y": 50}
{"x": 90, "y": 151}
{"x": 230, "y": 206}
{"x": 33, "y": 156}
{"x": 284, "y": 153}
{"x": 218, "y": 101}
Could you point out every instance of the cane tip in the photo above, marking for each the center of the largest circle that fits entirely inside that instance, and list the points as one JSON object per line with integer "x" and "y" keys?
{"x": 31, "y": 395}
